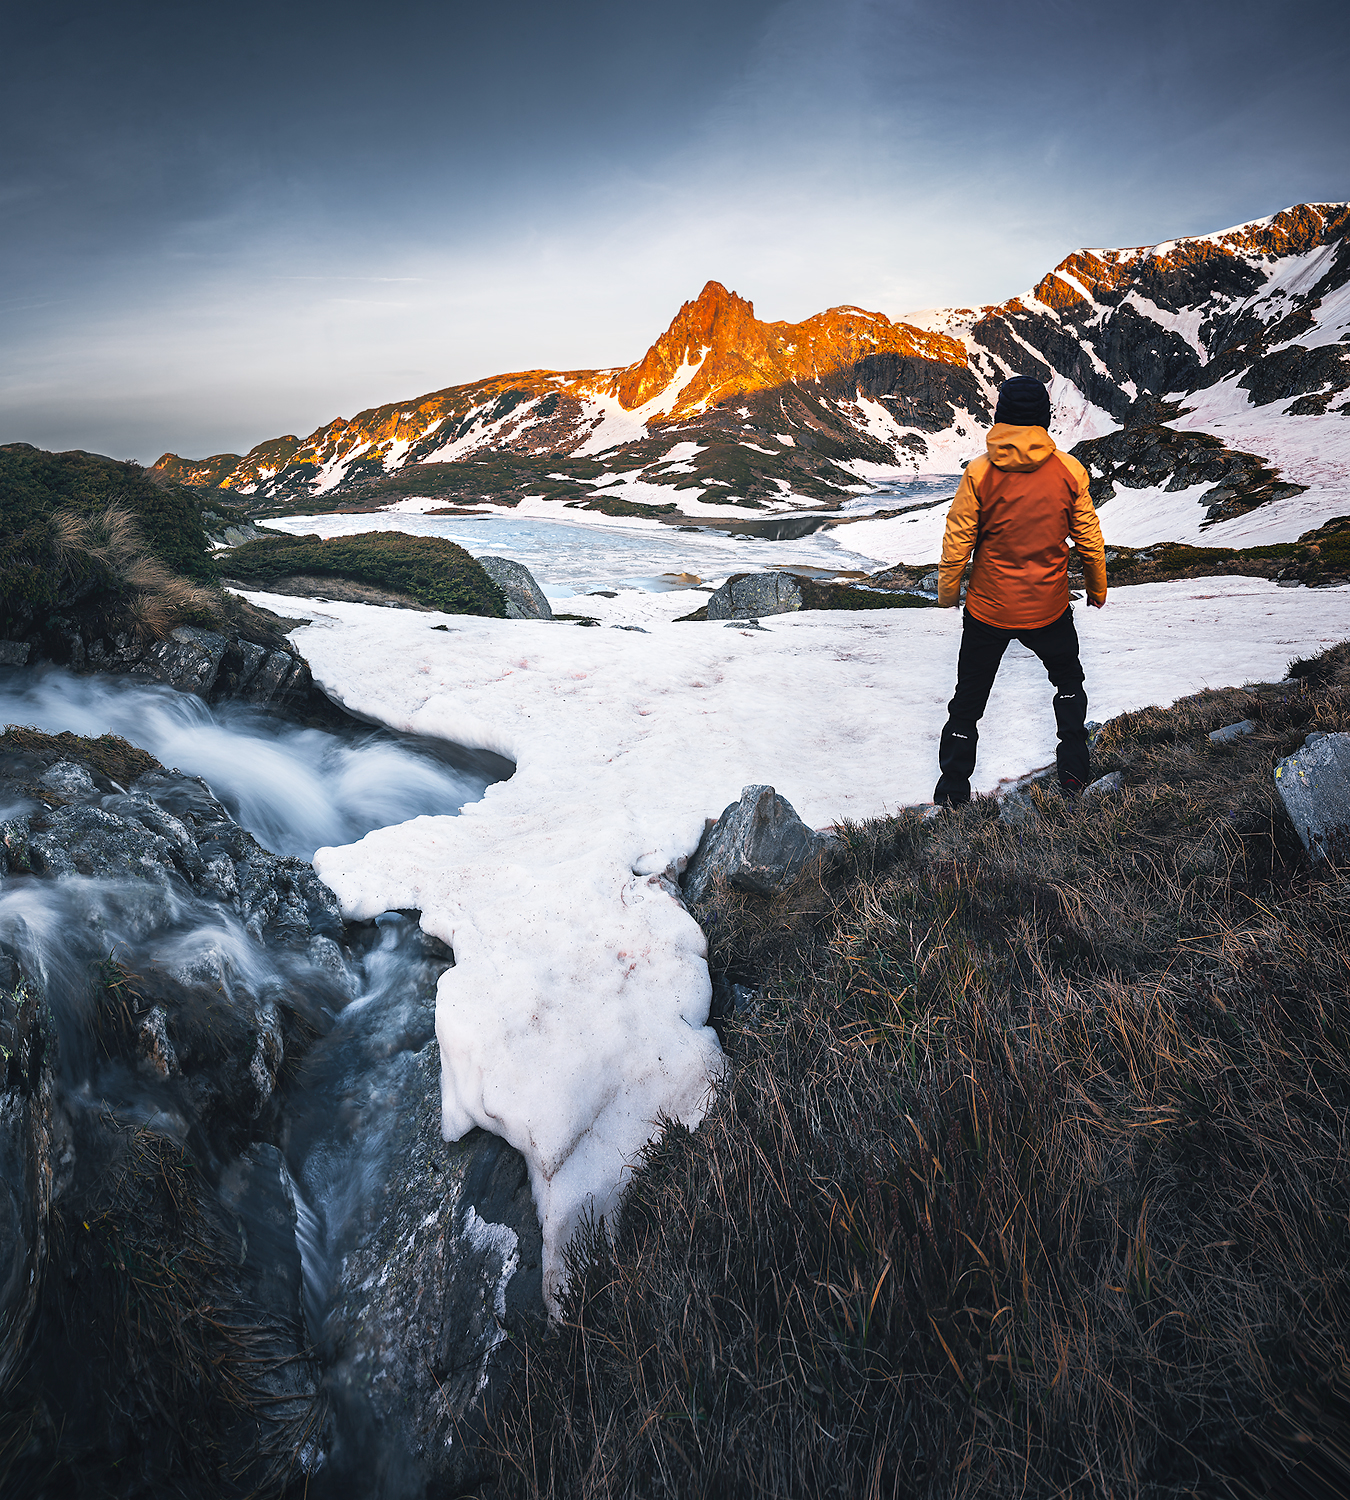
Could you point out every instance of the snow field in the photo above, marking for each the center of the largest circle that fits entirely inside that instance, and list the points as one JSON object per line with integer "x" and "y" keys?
{"x": 573, "y": 1021}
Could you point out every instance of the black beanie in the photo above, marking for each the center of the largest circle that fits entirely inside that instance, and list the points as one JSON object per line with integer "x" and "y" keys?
{"x": 1023, "y": 402}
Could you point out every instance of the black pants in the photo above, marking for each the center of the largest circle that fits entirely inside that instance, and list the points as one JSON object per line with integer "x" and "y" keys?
{"x": 982, "y": 648}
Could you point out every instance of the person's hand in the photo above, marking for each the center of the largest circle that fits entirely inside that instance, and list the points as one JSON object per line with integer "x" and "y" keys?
{"x": 1096, "y": 603}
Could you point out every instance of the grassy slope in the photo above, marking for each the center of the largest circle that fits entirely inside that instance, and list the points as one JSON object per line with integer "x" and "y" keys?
{"x": 1030, "y": 1174}
{"x": 429, "y": 569}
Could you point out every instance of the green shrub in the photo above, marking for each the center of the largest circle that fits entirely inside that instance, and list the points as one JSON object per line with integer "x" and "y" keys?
{"x": 35, "y": 484}
{"x": 435, "y": 572}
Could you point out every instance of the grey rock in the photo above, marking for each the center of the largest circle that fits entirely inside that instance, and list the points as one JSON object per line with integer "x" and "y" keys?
{"x": 755, "y": 594}
{"x": 1232, "y": 731}
{"x": 189, "y": 660}
{"x": 31, "y": 1130}
{"x": 1314, "y": 784}
{"x": 429, "y": 1296}
{"x": 1015, "y": 806}
{"x": 14, "y": 653}
{"x": 744, "y": 625}
{"x": 524, "y": 598}
{"x": 758, "y": 844}
{"x": 155, "y": 1054}
{"x": 67, "y": 779}
{"x": 1105, "y": 786}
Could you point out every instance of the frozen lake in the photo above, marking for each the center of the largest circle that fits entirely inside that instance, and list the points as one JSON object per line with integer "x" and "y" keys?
{"x": 575, "y": 556}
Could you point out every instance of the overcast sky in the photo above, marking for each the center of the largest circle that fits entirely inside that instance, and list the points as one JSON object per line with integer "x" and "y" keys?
{"x": 222, "y": 223}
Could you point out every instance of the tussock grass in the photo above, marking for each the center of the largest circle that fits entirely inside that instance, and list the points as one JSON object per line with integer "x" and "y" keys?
{"x": 154, "y": 598}
{"x": 1029, "y": 1177}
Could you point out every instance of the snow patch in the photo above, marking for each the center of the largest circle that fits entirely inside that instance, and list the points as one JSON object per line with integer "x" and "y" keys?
{"x": 573, "y": 1021}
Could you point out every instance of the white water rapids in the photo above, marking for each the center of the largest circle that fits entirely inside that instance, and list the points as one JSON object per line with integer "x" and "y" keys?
{"x": 294, "y": 789}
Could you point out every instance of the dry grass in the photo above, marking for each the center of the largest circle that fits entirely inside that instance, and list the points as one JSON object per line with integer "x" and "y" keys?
{"x": 155, "y": 598}
{"x": 1030, "y": 1176}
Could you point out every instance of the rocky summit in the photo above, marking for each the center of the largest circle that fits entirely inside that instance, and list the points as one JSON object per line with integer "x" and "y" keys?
{"x": 1226, "y": 355}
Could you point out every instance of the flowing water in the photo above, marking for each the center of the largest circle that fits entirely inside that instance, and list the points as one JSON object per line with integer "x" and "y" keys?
{"x": 294, "y": 789}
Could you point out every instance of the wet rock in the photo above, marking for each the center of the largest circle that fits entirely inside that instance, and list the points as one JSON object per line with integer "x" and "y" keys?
{"x": 31, "y": 1133}
{"x": 524, "y": 598}
{"x": 13, "y": 653}
{"x": 758, "y": 844}
{"x": 188, "y": 660}
{"x": 750, "y": 595}
{"x": 255, "y": 1192}
{"x": 155, "y": 1053}
{"x": 1314, "y": 784}
{"x": 451, "y": 1262}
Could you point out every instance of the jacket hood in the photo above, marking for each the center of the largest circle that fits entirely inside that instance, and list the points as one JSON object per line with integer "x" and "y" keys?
{"x": 1020, "y": 449}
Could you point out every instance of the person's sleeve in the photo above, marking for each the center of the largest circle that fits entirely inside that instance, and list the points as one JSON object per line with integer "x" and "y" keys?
{"x": 958, "y": 540}
{"x": 1086, "y": 532}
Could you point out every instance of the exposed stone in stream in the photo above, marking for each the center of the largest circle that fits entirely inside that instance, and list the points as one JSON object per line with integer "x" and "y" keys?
{"x": 181, "y": 1114}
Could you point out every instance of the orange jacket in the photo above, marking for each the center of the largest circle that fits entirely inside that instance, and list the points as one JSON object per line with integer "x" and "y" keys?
{"x": 1015, "y": 509}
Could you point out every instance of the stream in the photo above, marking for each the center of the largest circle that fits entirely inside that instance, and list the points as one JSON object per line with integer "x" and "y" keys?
{"x": 238, "y": 946}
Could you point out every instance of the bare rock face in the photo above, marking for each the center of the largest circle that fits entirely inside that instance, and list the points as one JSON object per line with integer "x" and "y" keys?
{"x": 1314, "y": 784}
{"x": 445, "y": 1261}
{"x": 213, "y": 666}
{"x": 755, "y": 594}
{"x": 1146, "y": 453}
{"x": 524, "y": 598}
{"x": 758, "y": 844}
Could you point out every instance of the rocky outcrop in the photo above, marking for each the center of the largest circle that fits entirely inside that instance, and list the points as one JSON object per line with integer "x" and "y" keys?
{"x": 525, "y": 600}
{"x": 444, "y": 1262}
{"x": 213, "y": 665}
{"x": 759, "y": 844}
{"x": 1146, "y": 453}
{"x": 1314, "y": 784}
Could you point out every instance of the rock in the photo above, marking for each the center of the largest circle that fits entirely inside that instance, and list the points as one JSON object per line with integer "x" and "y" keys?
{"x": 524, "y": 598}
{"x": 30, "y": 1137}
{"x": 1314, "y": 784}
{"x": 749, "y": 595}
{"x": 432, "y": 1250}
{"x": 454, "y": 1264}
{"x": 758, "y": 844}
{"x": 13, "y": 653}
{"x": 1232, "y": 731}
{"x": 188, "y": 660}
{"x": 1105, "y": 786}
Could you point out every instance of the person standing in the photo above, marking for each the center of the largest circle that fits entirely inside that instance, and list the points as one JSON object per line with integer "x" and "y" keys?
{"x": 1015, "y": 509}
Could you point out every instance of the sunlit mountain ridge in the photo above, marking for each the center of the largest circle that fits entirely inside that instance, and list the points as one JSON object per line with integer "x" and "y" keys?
{"x": 1240, "y": 335}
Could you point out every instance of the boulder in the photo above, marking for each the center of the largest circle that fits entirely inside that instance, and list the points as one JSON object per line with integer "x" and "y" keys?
{"x": 1314, "y": 784}
{"x": 750, "y": 595}
{"x": 1232, "y": 731}
{"x": 524, "y": 598}
{"x": 758, "y": 844}
{"x": 188, "y": 660}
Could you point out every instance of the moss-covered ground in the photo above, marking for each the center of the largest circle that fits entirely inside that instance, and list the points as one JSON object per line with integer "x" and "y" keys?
{"x": 432, "y": 570}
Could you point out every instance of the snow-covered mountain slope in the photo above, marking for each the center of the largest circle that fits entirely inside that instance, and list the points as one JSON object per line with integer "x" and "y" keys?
{"x": 1240, "y": 337}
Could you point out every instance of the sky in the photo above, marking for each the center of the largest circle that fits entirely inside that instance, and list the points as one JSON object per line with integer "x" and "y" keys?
{"x": 219, "y": 224}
